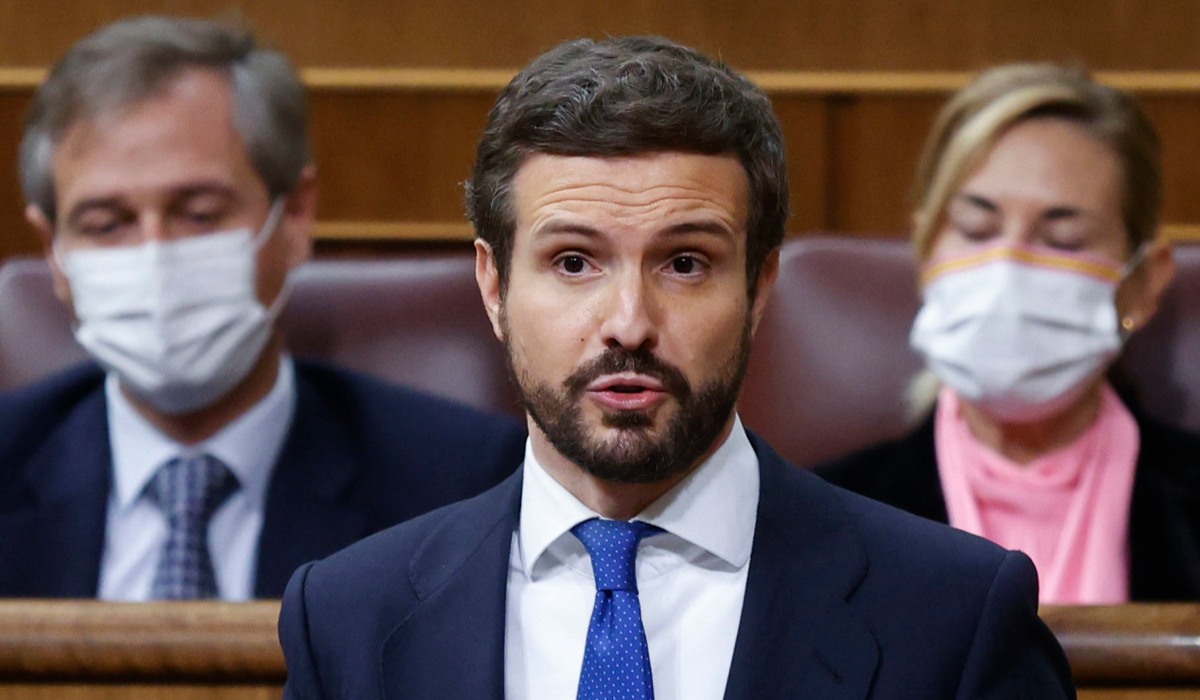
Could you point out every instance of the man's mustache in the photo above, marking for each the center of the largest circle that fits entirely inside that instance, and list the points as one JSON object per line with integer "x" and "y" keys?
{"x": 620, "y": 360}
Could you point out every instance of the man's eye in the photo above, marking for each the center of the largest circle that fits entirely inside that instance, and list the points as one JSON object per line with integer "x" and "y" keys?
{"x": 201, "y": 218}
{"x": 98, "y": 227}
{"x": 572, "y": 264}
{"x": 684, "y": 265}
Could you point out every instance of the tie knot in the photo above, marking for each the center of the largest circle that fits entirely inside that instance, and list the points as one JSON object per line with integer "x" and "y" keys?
{"x": 191, "y": 488}
{"x": 612, "y": 545}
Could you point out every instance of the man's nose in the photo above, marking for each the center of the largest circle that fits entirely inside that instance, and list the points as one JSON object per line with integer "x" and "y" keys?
{"x": 631, "y": 313}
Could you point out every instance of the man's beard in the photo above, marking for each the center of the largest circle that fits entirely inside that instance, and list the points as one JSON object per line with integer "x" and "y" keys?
{"x": 636, "y": 454}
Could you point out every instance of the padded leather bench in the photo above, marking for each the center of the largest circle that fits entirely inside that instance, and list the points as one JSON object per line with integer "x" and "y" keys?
{"x": 830, "y": 365}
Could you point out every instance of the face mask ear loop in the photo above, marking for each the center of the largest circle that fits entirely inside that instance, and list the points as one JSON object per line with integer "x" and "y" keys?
{"x": 1130, "y": 266}
{"x": 263, "y": 237}
{"x": 271, "y": 224}
{"x": 1134, "y": 261}
{"x": 60, "y": 258}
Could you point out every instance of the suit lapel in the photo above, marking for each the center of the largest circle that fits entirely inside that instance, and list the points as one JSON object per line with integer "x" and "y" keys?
{"x": 308, "y": 515}
{"x": 52, "y": 538}
{"x": 798, "y": 636}
{"x": 450, "y": 643}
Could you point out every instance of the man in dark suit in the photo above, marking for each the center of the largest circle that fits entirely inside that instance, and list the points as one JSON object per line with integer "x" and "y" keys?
{"x": 630, "y": 197}
{"x": 166, "y": 166}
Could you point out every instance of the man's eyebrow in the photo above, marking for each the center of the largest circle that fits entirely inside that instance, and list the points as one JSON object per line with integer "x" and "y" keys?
{"x": 204, "y": 188}
{"x": 712, "y": 226}
{"x": 566, "y": 228}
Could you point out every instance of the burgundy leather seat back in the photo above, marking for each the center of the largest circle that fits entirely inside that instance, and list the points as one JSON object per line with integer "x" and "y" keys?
{"x": 35, "y": 327}
{"x": 831, "y": 360}
{"x": 831, "y": 363}
{"x": 1163, "y": 359}
{"x": 417, "y": 321}
{"x": 828, "y": 374}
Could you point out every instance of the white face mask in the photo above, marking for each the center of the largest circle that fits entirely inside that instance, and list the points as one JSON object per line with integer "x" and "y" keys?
{"x": 179, "y": 322}
{"x": 1019, "y": 332}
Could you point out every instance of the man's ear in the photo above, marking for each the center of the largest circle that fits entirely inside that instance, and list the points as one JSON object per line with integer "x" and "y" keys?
{"x": 763, "y": 287}
{"x": 487, "y": 276}
{"x": 299, "y": 215}
{"x": 45, "y": 231}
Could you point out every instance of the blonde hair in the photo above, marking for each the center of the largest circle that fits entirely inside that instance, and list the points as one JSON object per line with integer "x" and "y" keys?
{"x": 997, "y": 99}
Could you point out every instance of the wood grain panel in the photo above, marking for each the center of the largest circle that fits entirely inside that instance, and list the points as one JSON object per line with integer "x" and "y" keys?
{"x": 15, "y": 235}
{"x": 876, "y": 141}
{"x": 764, "y": 34}
{"x": 212, "y": 642}
{"x": 393, "y": 147}
{"x": 396, "y": 155}
{"x": 137, "y": 691}
{"x": 91, "y": 650}
{"x": 806, "y": 126}
{"x": 1178, "y": 120}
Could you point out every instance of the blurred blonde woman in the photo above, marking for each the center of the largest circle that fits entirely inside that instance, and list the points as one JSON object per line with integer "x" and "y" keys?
{"x": 1038, "y": 195}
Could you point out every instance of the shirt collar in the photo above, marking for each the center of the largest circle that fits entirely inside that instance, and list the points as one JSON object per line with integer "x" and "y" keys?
{"x": 714, "y": 507}
{"x": 249, "y": 446}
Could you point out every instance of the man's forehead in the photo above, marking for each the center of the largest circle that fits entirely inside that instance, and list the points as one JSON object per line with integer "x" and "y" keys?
{"x": 182, "y": 137}
{"x": 106, "y": 104}
{"x": 721, "y": 175}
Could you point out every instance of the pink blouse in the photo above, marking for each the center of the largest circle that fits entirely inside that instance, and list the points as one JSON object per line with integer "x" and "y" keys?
{"x": 1068, "y": 510}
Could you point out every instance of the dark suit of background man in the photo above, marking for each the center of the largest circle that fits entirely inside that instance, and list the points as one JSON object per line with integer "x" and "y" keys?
{"x": 166, "y": 166}
{"x": 630, "y": 197}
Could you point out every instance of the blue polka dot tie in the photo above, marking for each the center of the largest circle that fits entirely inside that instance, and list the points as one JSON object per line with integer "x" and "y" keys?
{"x": 616, "y": 661}
{"x": 188, "y": 491}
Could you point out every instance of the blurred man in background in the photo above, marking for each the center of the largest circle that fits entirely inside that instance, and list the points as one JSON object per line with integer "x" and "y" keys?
{"x": 167, "y": 168}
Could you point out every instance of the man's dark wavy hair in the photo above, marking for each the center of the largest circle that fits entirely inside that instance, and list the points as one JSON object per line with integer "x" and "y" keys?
{"x": 626, "y": 96}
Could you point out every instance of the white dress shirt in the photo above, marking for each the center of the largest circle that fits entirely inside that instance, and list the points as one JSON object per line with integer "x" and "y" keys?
{"x": 691, "y": 580}
{"x": 136, "y": 529}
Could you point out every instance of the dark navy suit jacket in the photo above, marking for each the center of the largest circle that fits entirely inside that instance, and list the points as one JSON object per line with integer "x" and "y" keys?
{"x": 360, "y": 455}
{"x": 845, "y": 598}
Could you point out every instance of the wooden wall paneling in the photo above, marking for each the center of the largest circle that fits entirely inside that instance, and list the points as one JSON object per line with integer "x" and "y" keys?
{"x": 875, "y": 143}
{"x": 395, "y": 156}
{"x": 16, "y": 236}
{"x": 394, "y": 146}
{"x": 806, "y": 127}
{"x": 751, "y": 34}
{"x": 1177, "y": 117}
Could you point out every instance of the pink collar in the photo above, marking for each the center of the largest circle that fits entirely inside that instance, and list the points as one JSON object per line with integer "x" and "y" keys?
{"x": 1068, "y": 510}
